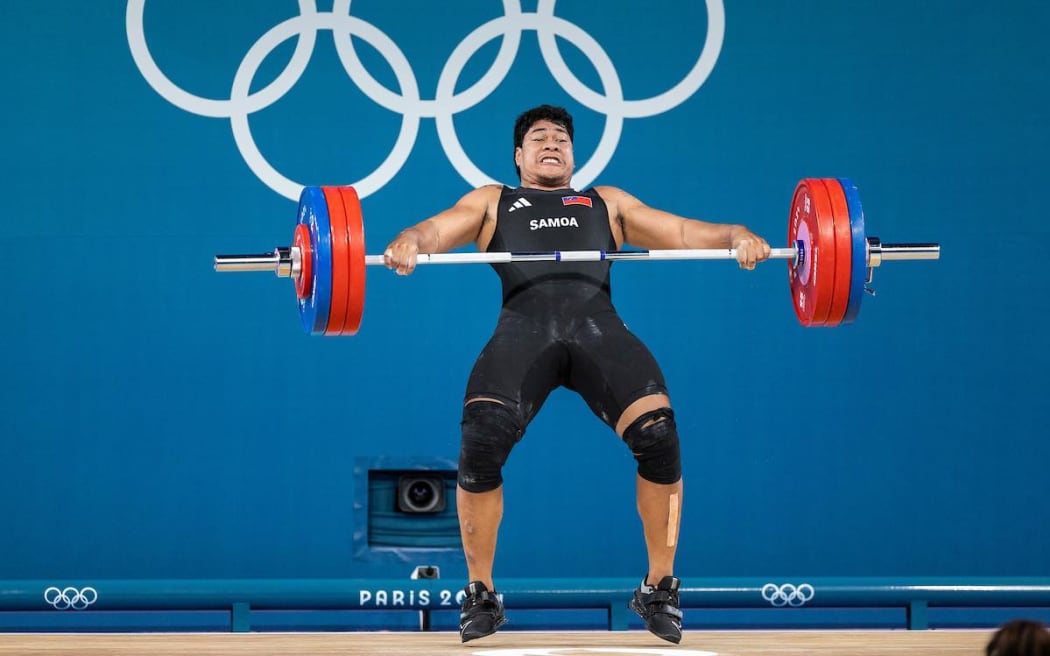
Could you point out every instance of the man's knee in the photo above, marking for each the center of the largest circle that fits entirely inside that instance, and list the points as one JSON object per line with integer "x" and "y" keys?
{"x": 489, "y": 431}
{"x": 653, "y": 439}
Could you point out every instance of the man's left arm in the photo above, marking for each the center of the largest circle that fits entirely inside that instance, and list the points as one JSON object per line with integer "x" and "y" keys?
{"x": 650, "y": 228}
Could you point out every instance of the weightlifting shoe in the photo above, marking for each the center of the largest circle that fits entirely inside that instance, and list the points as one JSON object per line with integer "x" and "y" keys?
{"x": 659, "y": 608}
{"x": 482, "y": 612}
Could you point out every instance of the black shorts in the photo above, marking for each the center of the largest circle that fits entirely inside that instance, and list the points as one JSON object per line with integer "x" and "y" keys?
{"x": 581, "y": 344}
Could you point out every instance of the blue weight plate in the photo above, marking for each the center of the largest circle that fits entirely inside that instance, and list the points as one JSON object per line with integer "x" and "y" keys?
{"x": 313, "y": 211}
{"x": 860, "y": 250}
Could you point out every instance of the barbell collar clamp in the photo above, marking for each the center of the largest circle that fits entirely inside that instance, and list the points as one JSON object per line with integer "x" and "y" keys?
{"x": 879, "y": 252}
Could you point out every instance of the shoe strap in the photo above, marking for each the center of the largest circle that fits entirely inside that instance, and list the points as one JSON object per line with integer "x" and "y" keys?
{"x": 662, "y": 601}
{"x": 666, "y": 596}
{"x": 664, "y": 609}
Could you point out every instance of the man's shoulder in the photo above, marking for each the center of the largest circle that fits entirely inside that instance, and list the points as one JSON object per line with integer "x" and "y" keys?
{"x": 608, "y": 191}
{"x": 484, "y": 193}
{"x": 494, "y": 187}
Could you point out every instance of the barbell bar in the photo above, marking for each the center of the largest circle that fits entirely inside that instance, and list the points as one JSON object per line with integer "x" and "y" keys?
{"x": 282, "y": 261}
{"x": 831, "y": 260}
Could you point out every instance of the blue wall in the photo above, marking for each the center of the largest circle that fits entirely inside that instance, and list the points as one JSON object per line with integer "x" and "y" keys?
{"x": 161, "y": 420}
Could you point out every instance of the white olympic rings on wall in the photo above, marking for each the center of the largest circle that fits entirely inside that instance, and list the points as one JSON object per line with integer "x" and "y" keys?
{"x": 787, "y": 594}
{"x": 408, "y": 102}
{"x": 70, "y": 597}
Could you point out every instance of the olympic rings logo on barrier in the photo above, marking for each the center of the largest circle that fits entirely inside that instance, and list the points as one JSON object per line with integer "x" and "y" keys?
{"x": 408, "y": 102}
{"x": 70, "y": 598}
{"x": 787, "y": 594}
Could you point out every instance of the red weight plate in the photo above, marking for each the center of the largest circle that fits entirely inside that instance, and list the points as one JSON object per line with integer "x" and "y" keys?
{"x": 811, "y": 223}
{"x": 304, "y": 282}
{"x": 843, "y": 251}
{"x": 340, "y": 264}
{"x": 355, "y": 232}
{"x": 825, "y": 254}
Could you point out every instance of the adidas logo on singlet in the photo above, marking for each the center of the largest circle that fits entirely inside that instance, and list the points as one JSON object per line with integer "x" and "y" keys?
{"x": 518, "y": 204}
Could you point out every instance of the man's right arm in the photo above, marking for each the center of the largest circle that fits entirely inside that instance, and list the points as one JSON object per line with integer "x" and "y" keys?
{"x": 457, "y": 226}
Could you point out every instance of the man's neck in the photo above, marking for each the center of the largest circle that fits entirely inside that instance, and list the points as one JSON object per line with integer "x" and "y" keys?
{"x": 542, "y": 186}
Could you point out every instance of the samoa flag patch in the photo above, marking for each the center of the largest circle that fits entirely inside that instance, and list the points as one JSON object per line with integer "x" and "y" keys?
{"x": 576, "y": 200}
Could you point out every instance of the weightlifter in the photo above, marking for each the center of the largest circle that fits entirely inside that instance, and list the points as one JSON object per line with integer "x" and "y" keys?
{"x": 558, "y": 327}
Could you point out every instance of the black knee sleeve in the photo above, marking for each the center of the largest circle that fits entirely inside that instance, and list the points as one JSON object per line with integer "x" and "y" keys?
{"x": 489, "y": 431}
{"x": 653, "y": 439}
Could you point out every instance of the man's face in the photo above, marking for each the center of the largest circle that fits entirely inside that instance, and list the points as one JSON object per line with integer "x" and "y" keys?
{"x": 545, "y": 156}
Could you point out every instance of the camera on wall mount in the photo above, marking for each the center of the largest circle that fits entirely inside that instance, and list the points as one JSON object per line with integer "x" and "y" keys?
{"x": 420, "y": 493}
{"x": 410, "y": 504}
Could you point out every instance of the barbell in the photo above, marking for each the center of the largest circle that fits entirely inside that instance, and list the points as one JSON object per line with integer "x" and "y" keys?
{"x": 831, "y": 259}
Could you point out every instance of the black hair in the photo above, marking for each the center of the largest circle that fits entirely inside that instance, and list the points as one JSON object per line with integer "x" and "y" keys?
{"x": 1020, "y": 638}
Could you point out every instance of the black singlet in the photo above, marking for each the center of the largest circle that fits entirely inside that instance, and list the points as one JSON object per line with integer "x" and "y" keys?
{"x": 558, "y": 326}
